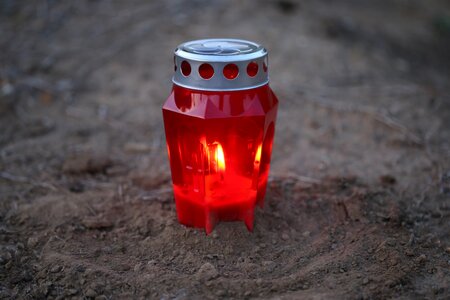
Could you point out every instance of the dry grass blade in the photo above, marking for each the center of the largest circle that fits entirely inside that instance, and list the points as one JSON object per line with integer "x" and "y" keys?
{"x": 21, "y": 179}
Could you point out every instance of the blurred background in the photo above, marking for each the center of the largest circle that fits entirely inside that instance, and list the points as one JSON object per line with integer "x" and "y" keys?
{"x": 364, "y": 90}
{"x": 364, "y": 85}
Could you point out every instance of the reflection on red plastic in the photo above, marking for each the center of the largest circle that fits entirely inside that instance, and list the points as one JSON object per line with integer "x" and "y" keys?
{"x": 220, "y": 145}
{"x": 206, "y": 71}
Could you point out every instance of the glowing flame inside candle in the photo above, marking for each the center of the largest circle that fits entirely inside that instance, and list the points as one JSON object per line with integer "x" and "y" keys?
{"x": 219, "y": 157}
{"x": 258, "y": 155}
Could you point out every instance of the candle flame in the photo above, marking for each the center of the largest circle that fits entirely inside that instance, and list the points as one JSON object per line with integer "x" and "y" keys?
{"x": 258, "y": 155}
{"x": 220, "y": 158}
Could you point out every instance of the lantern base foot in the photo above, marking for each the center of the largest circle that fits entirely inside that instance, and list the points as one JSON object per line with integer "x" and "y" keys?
{"x": 260, "y": 202}
{"x": 249, "y": 221}
{"x": 193, "y": 214}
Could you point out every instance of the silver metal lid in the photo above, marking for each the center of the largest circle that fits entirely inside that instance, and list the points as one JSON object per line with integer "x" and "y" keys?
{"x": 220, "y": 64}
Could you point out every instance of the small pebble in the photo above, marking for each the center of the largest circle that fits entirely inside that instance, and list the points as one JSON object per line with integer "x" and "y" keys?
{"x": 86, "y": 163}
{"x": 5, "y": 257}
{"x": 135, "y": 148}
{"x": 9, "y": 264}
{"x": 138, "y": 267}
{"x": 207, "y": 272}
{"x": 90, "y": 293}
{"x": 97, "y": 223}
{"x": 285, "y": 236}
{"x": 229, "y": 249}
{"x": 71, "y": 292}
{"x": 409, "y": 252}
{"x": 365, "y": 281}
{"x": 390, "y": 242}
{"x": 32, "y": 242}
{"x": 267, "y": 263}
{"x": 393, "y": 261}
{"x": 55, "y": 269}
{"x": 76, "y": 187}
{"x": 390, "y": 283}
{"x": 421, "y": 258}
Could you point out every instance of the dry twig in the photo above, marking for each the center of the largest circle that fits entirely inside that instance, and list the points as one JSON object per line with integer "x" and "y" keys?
{"x": 379, "y": 116}
{"x": 21, "y": 179}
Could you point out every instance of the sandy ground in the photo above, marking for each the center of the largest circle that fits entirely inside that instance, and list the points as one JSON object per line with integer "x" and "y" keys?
{"x": 358, "y": 203}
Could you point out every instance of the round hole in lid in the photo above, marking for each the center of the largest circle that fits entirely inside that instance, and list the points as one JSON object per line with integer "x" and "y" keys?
{"x": 206, "y": 71}
{"x": 252, "y": 69}
{"x": 185, "y": 68}
{"x": 231, "y": 71}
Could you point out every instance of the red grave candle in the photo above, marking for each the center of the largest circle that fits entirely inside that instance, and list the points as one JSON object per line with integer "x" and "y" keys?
{"x": 219, "y": 122}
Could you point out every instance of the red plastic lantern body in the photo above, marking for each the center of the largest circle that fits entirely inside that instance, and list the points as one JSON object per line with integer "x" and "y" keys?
{"x": 219, "y": 122}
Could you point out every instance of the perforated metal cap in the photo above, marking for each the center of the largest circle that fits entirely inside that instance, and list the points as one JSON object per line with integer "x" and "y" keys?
{"x": 220, "y": 64}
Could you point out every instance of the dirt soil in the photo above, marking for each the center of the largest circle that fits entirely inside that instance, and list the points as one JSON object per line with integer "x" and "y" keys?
{"x": 358, "y": 202}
